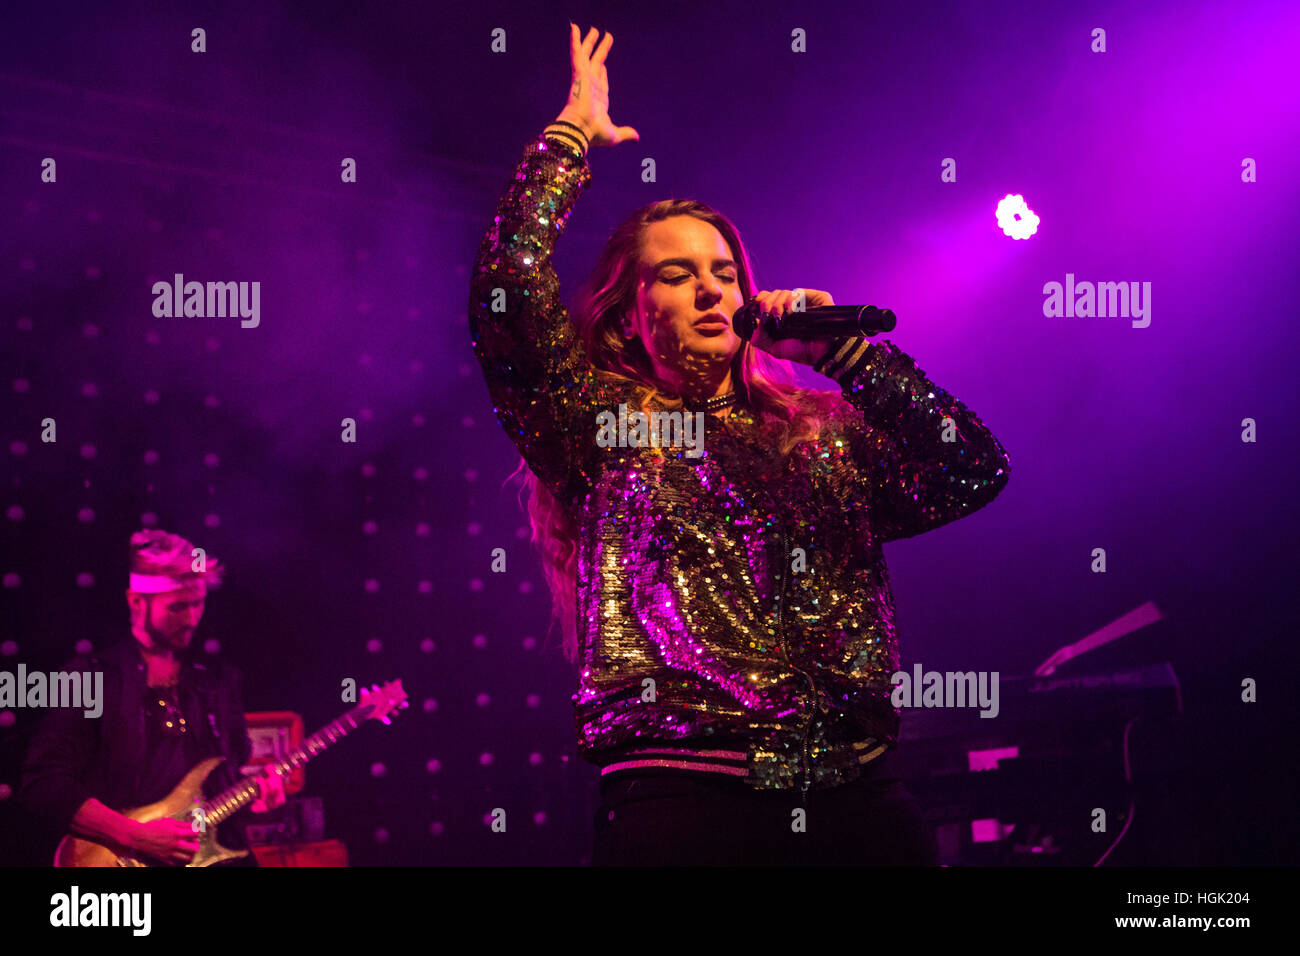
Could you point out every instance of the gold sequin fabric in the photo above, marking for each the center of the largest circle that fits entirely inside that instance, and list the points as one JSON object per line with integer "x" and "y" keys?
{"x": 736, "y": 602}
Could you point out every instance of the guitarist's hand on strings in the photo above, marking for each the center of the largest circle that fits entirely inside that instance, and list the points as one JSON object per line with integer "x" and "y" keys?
{"x": 168, "y": 840}
{"x": 175, "y": 841}
{"x": 270, "y": 785}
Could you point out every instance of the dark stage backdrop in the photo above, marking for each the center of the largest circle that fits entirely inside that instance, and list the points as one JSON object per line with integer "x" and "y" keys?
{"x": 372, "y": 559}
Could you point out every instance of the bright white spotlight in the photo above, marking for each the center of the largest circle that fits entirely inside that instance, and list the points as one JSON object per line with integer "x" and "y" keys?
{"x": 1015, "y": 218}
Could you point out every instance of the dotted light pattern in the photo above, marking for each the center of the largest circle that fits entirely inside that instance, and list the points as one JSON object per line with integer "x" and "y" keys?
{"x": 374, "y": 530}
{"x": 178, "y": 485}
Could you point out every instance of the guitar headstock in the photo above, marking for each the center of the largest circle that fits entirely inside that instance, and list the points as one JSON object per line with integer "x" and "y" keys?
{"x": 384, "y": 702}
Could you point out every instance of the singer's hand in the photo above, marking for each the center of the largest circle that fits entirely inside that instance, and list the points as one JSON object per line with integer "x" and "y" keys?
{"x": 588, "y": 104}
{"x": 779, "y": 303}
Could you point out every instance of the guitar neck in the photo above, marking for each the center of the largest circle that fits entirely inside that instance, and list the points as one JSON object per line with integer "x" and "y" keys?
{"x": 241, "y": 794}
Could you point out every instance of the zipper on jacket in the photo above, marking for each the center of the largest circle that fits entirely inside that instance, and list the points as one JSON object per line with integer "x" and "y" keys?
{"x": 806, "y": 763}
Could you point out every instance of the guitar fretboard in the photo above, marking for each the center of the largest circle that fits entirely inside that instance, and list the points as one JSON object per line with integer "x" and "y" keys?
{"x": 235, "y": 798}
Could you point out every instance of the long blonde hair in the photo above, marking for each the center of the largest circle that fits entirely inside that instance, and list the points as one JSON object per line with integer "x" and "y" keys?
{"x": 787, "y": 414}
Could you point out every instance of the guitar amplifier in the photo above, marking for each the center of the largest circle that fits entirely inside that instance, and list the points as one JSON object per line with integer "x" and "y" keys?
{"x": 274, "y": 735}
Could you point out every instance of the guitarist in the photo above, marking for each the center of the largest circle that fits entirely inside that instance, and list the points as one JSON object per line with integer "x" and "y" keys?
{"x": 162, "y": 713}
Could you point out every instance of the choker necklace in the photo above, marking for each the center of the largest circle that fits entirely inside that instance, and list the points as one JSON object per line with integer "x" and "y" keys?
{"x": 715, "y": 403}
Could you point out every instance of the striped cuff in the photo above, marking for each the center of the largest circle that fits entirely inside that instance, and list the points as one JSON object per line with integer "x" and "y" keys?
{"x": 729, "y": 762}
{"x": 843, "y": 359}
{"x": 558, "y": 137}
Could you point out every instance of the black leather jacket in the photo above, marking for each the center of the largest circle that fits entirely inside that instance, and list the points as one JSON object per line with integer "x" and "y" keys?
{"x": 73, "y": 758}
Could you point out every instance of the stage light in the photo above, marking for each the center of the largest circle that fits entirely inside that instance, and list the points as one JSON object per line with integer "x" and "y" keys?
{"x": 1015, "y": 218}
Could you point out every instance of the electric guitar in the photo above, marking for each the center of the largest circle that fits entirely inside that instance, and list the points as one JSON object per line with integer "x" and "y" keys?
{"x": 186, "y": 802}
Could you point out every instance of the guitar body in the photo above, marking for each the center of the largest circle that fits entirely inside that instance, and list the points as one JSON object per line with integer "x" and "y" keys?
{"x": 179, "y": 805}
{"x": 186, "y": 803}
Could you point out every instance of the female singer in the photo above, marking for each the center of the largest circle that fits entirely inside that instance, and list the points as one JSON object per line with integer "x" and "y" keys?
{"x": 728, "y": 605}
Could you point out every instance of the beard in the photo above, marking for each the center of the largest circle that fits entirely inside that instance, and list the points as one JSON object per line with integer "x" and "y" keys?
{"x": 177, "y": 640}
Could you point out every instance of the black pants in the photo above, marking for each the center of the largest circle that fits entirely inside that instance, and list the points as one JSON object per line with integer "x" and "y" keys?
{"x": 657, "y": 817}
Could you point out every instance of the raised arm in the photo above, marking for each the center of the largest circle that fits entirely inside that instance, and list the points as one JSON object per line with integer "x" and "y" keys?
{"x": 915, "y": 480}
{"x": 542, "y": 385}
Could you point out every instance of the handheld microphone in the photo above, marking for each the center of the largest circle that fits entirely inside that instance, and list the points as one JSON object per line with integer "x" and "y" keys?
{"x": 822, "y": 322}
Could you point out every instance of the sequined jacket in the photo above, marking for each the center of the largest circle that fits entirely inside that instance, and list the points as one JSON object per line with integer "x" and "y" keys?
{"x": 734, "y": 610}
